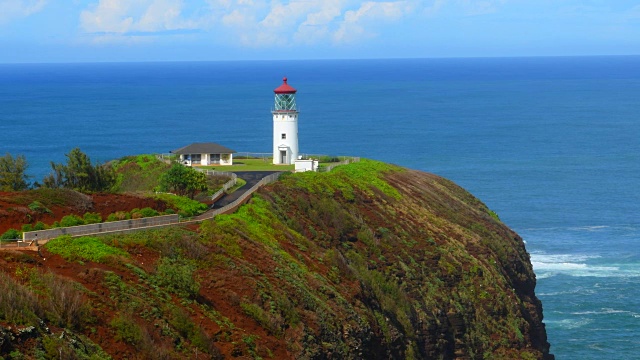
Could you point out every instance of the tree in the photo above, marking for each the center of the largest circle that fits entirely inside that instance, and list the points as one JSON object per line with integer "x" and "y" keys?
{"x": 183, "y": 180}
{"x": 13, "y": 175}
{"x": 79, "y": 174}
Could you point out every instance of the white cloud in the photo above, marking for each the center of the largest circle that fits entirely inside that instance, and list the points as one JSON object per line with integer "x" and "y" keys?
{"x": 134, "y": 17}
{"x": 259, "y": 23}
{"x": 16, "y": 9}
{"x": 356, "y": 23}
{"x": 266, "y": 23}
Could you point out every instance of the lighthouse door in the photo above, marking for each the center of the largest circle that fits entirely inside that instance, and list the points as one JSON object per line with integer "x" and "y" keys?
{"x": 283, "y": 156}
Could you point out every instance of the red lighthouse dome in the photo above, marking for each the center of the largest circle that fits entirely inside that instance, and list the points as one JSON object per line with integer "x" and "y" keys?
{"x": 284, "y": 88}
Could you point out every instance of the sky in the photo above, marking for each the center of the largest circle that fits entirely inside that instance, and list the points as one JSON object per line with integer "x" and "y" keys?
{"x": 43, "y": 31}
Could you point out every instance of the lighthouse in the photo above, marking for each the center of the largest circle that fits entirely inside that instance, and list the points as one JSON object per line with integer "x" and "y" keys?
{"x": 285, "y": 125}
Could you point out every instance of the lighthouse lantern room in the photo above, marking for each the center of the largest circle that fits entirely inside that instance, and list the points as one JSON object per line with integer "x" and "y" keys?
{"x": 285, "y": 125}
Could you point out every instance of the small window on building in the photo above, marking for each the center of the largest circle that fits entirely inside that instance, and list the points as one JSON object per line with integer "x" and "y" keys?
{"x": 284, "y": 136}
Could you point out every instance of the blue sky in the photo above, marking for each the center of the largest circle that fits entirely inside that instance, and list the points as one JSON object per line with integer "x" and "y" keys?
{"x": 174, "y": 30}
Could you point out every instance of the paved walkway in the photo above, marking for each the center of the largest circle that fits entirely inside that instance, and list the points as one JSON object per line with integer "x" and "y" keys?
{"x": 251, "y": 177}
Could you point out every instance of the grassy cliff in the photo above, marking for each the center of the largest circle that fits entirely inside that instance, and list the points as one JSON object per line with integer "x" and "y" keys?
{"x": 369, "y": 261}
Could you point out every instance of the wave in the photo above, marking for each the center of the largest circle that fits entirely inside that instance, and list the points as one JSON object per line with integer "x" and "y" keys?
{"x": 548, "y": 265}
{"x": 569, "y": 323}
{"x": 589, "y": 228}
{"x": 605, "y": 311}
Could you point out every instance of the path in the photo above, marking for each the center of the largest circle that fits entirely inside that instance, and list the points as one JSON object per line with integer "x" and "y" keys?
{"x": 251, "y": 177}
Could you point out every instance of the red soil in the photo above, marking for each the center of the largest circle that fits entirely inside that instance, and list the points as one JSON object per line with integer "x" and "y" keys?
{"x": 13, "y": 215}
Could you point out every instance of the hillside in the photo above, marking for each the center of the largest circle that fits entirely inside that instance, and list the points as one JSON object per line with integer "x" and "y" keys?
{"x": 369, "y": 261}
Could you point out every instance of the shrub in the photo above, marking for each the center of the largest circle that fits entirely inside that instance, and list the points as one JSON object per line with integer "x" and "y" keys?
{"x": 18, "y": 304}
{"x": 66, "y": 305}
{"x": 71, "y": 220}
{"x": 118, "y": 216}
{"x": 178, "y": 276}
{"x": 186, "y": 207}
{"x": 147, "y": 212}
{"x": 127, "y": 330}
{"x": 82, "y": 248}
{"x": 39, "y": 226}
{"x": 39, "y": 207}
{"x": 11, "y": 234}
{"x": 92, "y": 218}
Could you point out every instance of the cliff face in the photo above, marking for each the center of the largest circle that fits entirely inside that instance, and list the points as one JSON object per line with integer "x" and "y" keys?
{"x": 369, "y": 261}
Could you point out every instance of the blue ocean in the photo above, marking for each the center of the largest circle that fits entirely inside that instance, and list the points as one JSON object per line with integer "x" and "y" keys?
{"x": 551, "y": 144}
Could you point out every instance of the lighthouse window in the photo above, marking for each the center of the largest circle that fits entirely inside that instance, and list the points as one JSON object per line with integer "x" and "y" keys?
{"x": 284, "y": 136}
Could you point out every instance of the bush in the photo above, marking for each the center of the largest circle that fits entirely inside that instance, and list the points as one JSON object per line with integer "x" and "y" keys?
{"x": 178, "y": 276}
{"x": 119, "y": 216}
{"x": 147, "y": 212}
{"x": 11, "y": 234}
{"x": 82, "y": 248}
{"x": 18, "y": 304}
{"x": 39, "y": 207}
{"x": 186, "y": 207}
{"x": 39, "y": 226}
{"x": 66, "y": 306}
{"x": 71, "y": 220}
{"x": 127, "y": 330}
{"x": 92, "y": 218}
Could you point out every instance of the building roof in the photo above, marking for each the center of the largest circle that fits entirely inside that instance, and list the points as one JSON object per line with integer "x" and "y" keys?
{"x": 203, "y": 148}
{"x": 284, "y": 88}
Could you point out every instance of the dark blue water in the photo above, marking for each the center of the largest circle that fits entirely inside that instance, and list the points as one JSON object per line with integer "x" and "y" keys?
{"x": 551, "y": 144}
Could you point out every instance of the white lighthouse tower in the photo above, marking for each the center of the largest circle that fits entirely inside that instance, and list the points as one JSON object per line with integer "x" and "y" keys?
{"x": 285, "y": 125}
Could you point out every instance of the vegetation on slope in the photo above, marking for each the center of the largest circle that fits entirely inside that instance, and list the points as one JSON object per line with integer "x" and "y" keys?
{"x": 367, "y": 261}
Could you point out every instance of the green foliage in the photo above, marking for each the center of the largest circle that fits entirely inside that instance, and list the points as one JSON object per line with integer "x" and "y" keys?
{"x": 83, "y": 248}
{"x": 92, "y": 218}
{"x": 186, "y": 207}
{"x": 11, "y": 234}
{"x": 119, "y": 216}
{"x": 139, "y": 173}
{"x": 183, "y": 180}
{"x": 13, "y": 175}
{"x": 18, "y": 304}
{"x": 256, "y": 313}
{"x": 177, "y": 275}
{"x": 37, "y": 206}
{"x": 365, "y": 175}
{"x": 71, "y": 220}
{"x": 494, "y": 215}
{"x": 46, "y": 296}
{"x": 145, "y": 212}
{"x": 126, "y": 329}
{"x": 79, "y": 174}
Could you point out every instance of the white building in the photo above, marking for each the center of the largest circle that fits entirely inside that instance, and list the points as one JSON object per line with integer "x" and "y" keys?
{"x": 285, "y": 125}
{"x": 205, "y": 154}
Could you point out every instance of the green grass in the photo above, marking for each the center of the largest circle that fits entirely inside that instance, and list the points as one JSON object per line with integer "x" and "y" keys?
{"x": 139, "y": 173}
{"x": 186, "y": 207}
{"x": 239, "y": 183}
{"x": 83, "y": 248}
{"x": 251, "y": 165}
{"x": 364, "y": 175}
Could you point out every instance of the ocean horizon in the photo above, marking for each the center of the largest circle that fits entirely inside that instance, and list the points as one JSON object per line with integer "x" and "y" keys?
{"x": 552, "y": 144}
